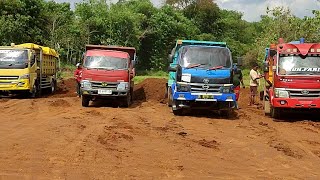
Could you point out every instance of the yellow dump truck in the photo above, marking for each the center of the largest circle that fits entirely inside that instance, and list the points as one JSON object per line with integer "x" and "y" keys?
{"x": 28, "y": 69}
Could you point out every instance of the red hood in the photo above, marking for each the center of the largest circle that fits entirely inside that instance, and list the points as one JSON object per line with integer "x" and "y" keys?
{"x": 298, "y": 82}
{"x": 105, "y": 75}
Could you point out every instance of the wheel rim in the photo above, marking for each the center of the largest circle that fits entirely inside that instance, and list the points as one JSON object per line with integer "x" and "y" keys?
{"x": 52, "y": 87}
{"x": 35, "y": 90}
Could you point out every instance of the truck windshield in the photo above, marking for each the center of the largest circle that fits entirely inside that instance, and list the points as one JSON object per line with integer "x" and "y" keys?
{"x": 299, "y": 65}
{"x": 205, "y": 57}
{"x": 105, "y": 62}
{"x": 13, "y": 57}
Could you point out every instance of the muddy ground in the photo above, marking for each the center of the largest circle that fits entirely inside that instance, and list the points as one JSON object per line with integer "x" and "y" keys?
{"x": 55, "y": 138}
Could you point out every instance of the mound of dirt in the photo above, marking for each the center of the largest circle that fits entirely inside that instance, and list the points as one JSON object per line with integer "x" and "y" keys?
{"x": 151, "y": 89}
{"x": 60, "y": 103}
{"x": 66, "y": 88}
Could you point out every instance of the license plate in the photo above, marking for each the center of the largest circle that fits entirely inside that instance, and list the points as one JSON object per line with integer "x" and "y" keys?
{"x": 104, "y": 91}
{"x": 205, "y": 96}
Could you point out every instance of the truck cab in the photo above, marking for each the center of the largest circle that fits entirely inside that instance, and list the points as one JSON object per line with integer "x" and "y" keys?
{"x": 28, "y": 69}
{"x": 292, "y": 74}
{"x": 108, "y": 73}
{"x": 200, "y": 76}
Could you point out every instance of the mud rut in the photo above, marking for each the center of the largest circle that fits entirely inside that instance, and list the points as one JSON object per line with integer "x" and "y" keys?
{"x": 55, "y": 138}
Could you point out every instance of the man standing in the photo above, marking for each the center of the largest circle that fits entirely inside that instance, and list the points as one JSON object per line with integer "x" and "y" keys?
{"x": 254, "y": 83}
{"x": 237, "y": 81}
{"x": 77, "y": 76}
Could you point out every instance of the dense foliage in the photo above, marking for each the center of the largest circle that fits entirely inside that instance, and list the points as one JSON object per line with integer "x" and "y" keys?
{"x": 152, "y": 31}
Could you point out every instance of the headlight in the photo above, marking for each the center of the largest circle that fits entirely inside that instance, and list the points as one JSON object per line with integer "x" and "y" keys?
{"x": 122, "y": 86}
{"x": 281, "y": 93}
{"x": 183, "y": 87}
{"x": 86, "y": 84}
{"x": 25, "y": 76}
{"x": 226, "y": 89}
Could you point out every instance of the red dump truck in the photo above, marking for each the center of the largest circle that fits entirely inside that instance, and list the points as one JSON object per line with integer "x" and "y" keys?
{"x": 292, "y": 74}
{"x": 108, "y": 73}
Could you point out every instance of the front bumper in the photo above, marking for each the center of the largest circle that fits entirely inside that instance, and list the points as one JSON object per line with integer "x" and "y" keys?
{"x": 296, "y": 103}
{"x": 95, "y": 92}
{"x": 19, "y": 85}
{"x": 204, "y": 97}
{"x": 213, "y": 101}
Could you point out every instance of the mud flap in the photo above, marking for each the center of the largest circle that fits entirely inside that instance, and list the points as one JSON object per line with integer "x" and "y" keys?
{"x": 266, "y": 107}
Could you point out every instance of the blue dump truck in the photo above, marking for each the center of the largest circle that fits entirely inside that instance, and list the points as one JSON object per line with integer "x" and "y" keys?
{"x": 200, "y": 76}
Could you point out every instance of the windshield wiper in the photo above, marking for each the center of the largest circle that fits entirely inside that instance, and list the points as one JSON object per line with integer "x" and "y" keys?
{"x": 216, "y": 67}
{"x": 193, "y": 66}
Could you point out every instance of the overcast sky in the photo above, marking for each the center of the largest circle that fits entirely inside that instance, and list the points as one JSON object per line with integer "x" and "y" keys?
{"x": 252, "y": 9}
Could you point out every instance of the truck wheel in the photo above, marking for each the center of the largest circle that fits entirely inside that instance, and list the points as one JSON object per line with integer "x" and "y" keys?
{"x": 85, "y": 101}
{"x": 53, "y": 86}
{"x": 126, "y": 102}
{"x": 131, "y": 92}
{"x": 266, "y": 107}
{"x": 170, "y": 99}
{"x": 275, "y": 113}
{"x": 176, "y": 112}
{"x": 35, "y": 91}
{"x": 225, "y": 113}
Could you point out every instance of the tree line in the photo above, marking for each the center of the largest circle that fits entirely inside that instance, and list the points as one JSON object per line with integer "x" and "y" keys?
{"x": 151, "y": 30}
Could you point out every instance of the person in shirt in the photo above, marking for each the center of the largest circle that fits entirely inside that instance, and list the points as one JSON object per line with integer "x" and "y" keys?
{"x": 77, "y": 76}
{"x": 254, "y": 83}
{"x": 237, "y": 81}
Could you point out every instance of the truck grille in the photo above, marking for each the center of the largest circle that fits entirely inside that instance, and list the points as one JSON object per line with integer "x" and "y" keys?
{"x": 104, "y": 85}
{"x": 304, "y": 93}
{"x": 199, "y": 87}
{"x": 9, "y": 78}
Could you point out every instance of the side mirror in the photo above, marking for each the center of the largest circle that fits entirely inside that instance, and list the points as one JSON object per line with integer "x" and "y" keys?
{"x": 170, "y": 58}
{"x": 133, "y": 63}
{"x": 239, "y": 61}
{"x": 273, "y": 52}
{"x": 82, "y": 56}
{"x": 33, "y": 59}
{"x": 172, "y": 69}
{"x": 266, "y": 66}
{"x": 132, "y": 73}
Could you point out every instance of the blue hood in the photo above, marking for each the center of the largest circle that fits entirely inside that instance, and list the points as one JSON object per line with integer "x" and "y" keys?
{"x": 218, "y": 76}
{"x": 219, "y": 73}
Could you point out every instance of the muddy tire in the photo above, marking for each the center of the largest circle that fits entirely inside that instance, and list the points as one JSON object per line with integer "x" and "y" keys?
{"x": 126, "y": 101}
{"x": 53, "y": 86}
{"x": 35, "y": 91}
{"x": 226, "y": 113}
{"x": 266, "y": 107}
{"x": 85, "y": 101}
{"x": 170, "y": 98}
{"x": 131, "y": 92}
{"x": 275, "y": 113}
{"x": 176, "y": 112}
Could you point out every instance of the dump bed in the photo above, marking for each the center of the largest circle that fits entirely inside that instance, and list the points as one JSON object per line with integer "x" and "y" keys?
{"x": 50, "y": 58}
{"x": 130, "y": 50}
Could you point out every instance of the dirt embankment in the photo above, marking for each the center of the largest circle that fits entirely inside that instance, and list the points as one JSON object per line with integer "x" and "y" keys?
{"x": 66, "y": 88}
{"x": 152, "y": 89}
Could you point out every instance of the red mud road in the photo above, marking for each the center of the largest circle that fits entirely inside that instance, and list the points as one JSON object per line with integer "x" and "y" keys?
{"x": 55, "y": 138}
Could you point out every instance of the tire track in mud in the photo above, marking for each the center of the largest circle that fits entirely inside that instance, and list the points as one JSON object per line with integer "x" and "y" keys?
{"x": 146, "y": 140}
{"x": 277, "y": 132}
{"x": 263, "y": 127}
{"x": 273, "y": 132}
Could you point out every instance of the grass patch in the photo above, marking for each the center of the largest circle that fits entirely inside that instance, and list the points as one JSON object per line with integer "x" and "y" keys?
{"x": 66, "y": 70}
